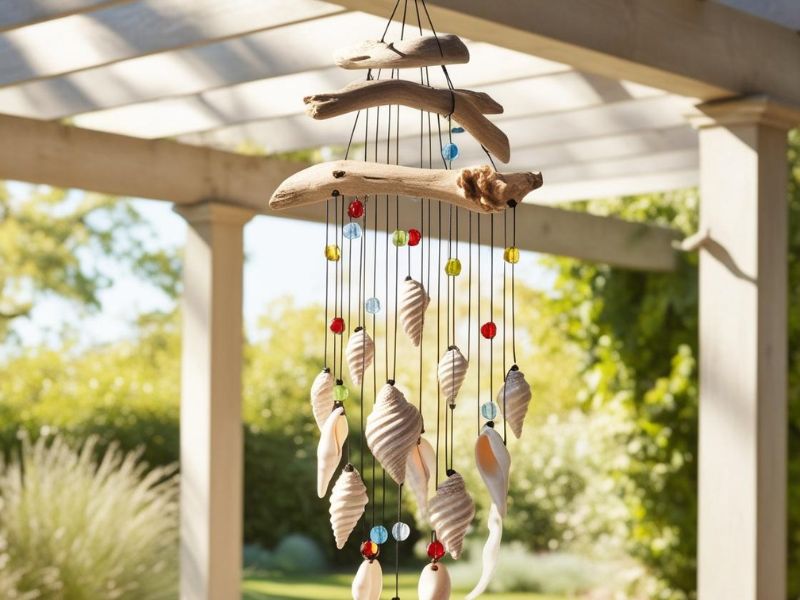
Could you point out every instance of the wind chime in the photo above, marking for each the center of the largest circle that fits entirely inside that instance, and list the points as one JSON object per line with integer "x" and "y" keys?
{"x": 355, "y": 193}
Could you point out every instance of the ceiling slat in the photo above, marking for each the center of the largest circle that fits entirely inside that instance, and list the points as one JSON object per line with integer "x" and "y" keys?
{"x": 18, "y": 13}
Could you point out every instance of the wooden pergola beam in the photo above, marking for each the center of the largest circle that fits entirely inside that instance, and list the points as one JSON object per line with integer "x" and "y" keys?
{"x": 19, "y": 13}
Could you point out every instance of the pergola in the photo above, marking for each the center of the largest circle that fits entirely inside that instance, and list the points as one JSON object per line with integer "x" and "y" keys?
{"x": 153, "y": 99}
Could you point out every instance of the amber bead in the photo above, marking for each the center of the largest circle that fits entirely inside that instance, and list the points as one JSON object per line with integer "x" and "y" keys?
{"x": 453, "y": 267}
{"x": 511, "y": 255}
{"x": 332, "y": 252}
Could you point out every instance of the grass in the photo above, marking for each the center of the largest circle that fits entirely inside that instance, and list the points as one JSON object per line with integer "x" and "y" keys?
{"x": 337, "y": 587}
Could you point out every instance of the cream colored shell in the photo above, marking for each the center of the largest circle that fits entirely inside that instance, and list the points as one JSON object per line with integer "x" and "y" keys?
{"x": 348, "y": 499}
{"x": 494, "y": 463}
{"x": 329, "y": 450}
{"x": 451, "y": 512}
{"x": 413, "y": 303}
{"x": 368, "y": 582}
{"x": 491, "y": 552}
{"x": 421, "y": 462}
{"x": 322, "y": 397}
{"x": 452, "y": 372}
{"x": 359, "y": 352}
{"x": 434, "y": 583}
{"x": 513, "y": 399}
{"x": 392, "y": 431}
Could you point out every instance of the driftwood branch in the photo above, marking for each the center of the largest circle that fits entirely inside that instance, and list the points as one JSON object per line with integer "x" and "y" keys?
{"x": 467, "y": 107}
{"x": 480, "y": 189}
{"x": 419, "y": 52}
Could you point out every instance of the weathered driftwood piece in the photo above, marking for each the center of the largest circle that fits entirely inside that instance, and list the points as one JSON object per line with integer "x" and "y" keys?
{"x": 404, "y": 54}
{"x": 480, "y": 189}
{"x": 466, "y": 107}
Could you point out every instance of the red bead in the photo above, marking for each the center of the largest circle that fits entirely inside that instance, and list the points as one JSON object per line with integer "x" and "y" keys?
{"x": 355, "y": 210}
{"x": 337, "y": 325}
{"x": 435, "y": 550}
{"x": 414, "y": 237}
{"x": 488, "y": 330}
{"x": 370, "y": 550}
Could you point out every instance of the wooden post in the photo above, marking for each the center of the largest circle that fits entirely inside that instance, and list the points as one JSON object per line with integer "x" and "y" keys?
{"x": 743, "y": 351}
{"x": 211, "y": 422}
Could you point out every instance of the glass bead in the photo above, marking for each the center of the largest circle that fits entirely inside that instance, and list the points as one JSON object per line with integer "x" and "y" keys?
{"x": 378, "y": 534}
{"x": 373, "y": 306}
{"x": 400, "y": 531}
{"x": 414, "y": 237}
{"x": 488, "y": 330}
{"x": 351, "y": 231}
{"x": 355, "y": 210}
{"x": 337, "y": 325}
{"x": 435, "y": 550}
{"x": 450, "y": 151}
{"x": 370, "y": 550}
{"x": 332, "y": 252}
{"x": 489, "y": 410}
{"x": 453, "y": 267}
{"x": 511, "y": 255}
{"x": 340, "y": 393}
{"x": 399, "y": 237}
{"x": 457, "y": 129}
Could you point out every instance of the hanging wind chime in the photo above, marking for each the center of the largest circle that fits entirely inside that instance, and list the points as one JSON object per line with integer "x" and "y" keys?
{"x": 355, "y": 193}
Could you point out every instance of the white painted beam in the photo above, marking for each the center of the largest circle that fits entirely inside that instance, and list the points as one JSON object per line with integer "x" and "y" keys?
{"x": 18, "y": 13}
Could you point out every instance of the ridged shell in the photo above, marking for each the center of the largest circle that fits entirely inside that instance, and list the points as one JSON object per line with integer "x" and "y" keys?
{"x": 322, "y": 397}
{"x": 413, "y": 303}
{"x": 451, "y": 512}
{"x": 452, "y": 371}
{"x": 421, "y": 462}
{"x": 368, "y": 582}
{"x": 359, "y": 352}
{"x": 348, "y": 499}
{"x": 329, "y": 451}
{"x": 513, "y": 399}
{"x": 494, "y": 464}
{"x": 392, "y": 431}
{"x": 434, "y": 583}
{"x": 491, "y": 551}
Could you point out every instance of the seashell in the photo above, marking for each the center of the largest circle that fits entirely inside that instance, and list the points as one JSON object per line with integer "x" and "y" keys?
{"x": 329, "y": 450}
{"x": 434, "y": 583}
{"x": 360, "y": 351}
{"x": 491, "y": 551}
{"x": 368, "y": 582}
{"x": 494, "y": 463}
{"x": 452, "y": 372}
{"x": 322, "y": 396}
{"x": 421, "y": 462}
{"x": 451, "y": 512}
{"x": 513, "y": 399}
{"x": 413, "y": 303}
{"x": 348, "y": 499}
{"x": 392, "y": 431}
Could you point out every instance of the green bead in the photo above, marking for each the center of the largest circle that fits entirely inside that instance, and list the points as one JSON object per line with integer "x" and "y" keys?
{"x": 332, "y": 252}
{"x": 340, "y": 393}
{"x": 453, "y": 267}
{"x": 399, "y": 237}
{"x": 511, "y": 255}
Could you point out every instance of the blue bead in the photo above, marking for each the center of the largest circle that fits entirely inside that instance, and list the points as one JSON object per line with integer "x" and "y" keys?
{"x": 373, "y": 306}
{"x": 457, "y": 129}
{"x": 378, "y": 534}
{"x": 450, "y": 151}
{"x": 489, "y": 410}
{"x": 351, "y": 231}
{"x": 400, "y": 531}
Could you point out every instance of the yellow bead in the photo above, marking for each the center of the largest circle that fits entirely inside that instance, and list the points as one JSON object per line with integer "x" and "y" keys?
{"x": 332, "y": 252}
{"x": 511, "y": 255}
{"x": 453, "y": 267}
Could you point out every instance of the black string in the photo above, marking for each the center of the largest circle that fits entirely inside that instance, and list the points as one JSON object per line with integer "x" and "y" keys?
{"x": 478, "y": 295}
{"x": 513, "y": 294}
{"x": 335, "y": 278}
{"x": 341, "y": 288}
{"x": 327, "y": 283}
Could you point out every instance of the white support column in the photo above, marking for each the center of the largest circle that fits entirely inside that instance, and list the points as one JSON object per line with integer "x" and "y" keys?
{"x": 211, "y": 421}
{"x": 743, "y": 351}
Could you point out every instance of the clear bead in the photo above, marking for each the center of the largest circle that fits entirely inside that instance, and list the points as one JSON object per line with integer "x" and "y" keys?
{"x": 373, "y": 306}
{"x": 351, "y": 231}
{"x": 450, "y": 151}
{"x": 489, "y": 410}
{"x": 400, "y": 531}
{"x": 378, "y": 534}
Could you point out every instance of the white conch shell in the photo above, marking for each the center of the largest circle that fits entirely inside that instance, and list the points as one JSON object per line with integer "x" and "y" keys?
{"x": 491, "y": 551}
{"x": 451, "y": 512}
{"x": 368, "y": 582}
{"x": 452, "y": 371}
{"x": 322, "y": 397}
{"x": 421, "y": 462}
{"x": 494, "y": 464}
{"x": 348, "y": 499}
{"x": 392, "y": 431}
{"x": 360, "y": 351}
{"x": 434, "y": 583}
{"x": 513, "y": 399}
{"x": 413, "y": 303}
{"x": 329, "y": 451}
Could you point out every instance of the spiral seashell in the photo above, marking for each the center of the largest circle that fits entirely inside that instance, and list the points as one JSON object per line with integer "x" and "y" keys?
{"x": 322, "y": 397}
{"x": 421, "y": 462}
{"x": 329, "y": 451}
{"x": 451, "y": 512}
{"x": 368, "y": 582}
{"x": 513, "y": 399}
{"x": 392, "y": 431}
{"x": 348, "y": 499}
{"x": 413, "y": 303}
{"x": 494, "y": 464}
{"x": 452, "y": 372}
{"x": 360, "y": 351}
{"x": 434, "y": 583}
